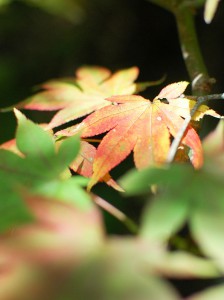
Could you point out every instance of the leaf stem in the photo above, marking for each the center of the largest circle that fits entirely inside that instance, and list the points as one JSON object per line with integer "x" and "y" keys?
{"x": 130, "y": 224}
{"x": 199, "y": 101}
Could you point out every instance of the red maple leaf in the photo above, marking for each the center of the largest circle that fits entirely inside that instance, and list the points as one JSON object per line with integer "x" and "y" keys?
{"x": 135, "y": 123}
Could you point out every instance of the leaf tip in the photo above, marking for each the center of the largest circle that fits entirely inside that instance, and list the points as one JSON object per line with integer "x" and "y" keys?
{"x": 19, "y": 115}
{"x": 91, "y": 183}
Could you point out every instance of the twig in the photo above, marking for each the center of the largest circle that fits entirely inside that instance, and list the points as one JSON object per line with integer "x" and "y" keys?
{"x": 191, "y": 52}
{"x": 131, "y": 225}
{"x": 183, "y": 10}
{"x": 176, "y": 142}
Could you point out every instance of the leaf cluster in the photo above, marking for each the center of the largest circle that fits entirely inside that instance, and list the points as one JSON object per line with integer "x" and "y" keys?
{"x": 52, "y": 227}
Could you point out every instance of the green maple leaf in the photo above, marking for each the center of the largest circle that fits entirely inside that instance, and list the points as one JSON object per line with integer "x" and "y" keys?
{"x": 38, "y": 168}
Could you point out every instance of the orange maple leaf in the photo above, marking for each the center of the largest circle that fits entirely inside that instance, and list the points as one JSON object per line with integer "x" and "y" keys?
{"x": 83, "y": 165}
{"x": 135, "y": 123}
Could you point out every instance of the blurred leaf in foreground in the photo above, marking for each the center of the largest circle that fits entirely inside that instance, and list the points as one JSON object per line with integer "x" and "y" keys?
{"x": 186, "y": 196}
{"x": 37, "y": 259}
{"x": 39, "y": 168}
{"x": 213, "y": 293}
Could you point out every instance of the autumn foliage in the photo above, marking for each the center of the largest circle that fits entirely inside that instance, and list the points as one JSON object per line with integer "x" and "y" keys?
{"x": 132, "y": 122}
{"x": 49, "y": 169}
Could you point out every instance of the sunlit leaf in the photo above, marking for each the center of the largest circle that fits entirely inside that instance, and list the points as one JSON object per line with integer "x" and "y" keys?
{"x": 81, "y": 95}
{"x": 92, "y": 75}
{"x": 135, "y": 123}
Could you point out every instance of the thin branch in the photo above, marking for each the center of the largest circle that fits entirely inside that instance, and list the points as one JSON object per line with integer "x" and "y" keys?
{"x": 130, "y": 224}
{"x": 191, "y": 52}
{"x": 176, "y": 142}
{"x": 184, "y": 11}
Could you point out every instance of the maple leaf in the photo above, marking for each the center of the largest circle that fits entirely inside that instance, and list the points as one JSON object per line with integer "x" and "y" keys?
{"x": 79, "y": 96}
{"x": 83, "y": 165}
{"x": 135, "y": 123}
